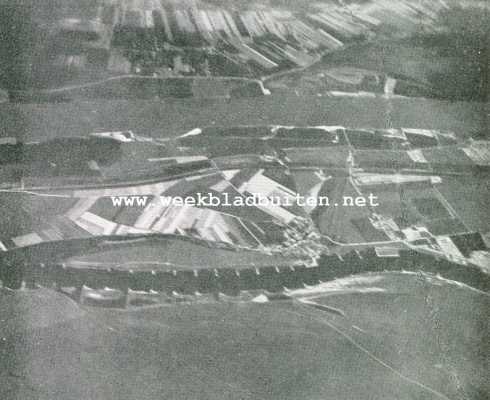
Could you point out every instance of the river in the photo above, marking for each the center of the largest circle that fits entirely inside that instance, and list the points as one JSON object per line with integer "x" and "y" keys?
{"x": 168, "y": 118}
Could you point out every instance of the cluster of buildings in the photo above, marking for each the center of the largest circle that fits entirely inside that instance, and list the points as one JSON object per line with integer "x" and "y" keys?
{"x": 72, "y": 207}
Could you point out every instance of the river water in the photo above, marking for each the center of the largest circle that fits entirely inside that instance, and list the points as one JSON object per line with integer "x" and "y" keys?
{"x": 167, "y": 118}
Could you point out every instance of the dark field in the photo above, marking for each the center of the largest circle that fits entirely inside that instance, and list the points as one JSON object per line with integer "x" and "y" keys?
{"x": 430, "y": 208}
{"x": 470, "y": 199}
{"x": 428, "y": 333}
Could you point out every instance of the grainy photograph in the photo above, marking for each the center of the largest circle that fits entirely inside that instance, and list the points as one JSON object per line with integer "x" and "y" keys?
{"x": 244, "y": 200}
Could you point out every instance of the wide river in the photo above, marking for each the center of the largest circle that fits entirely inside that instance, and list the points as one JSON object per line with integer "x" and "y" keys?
{"x": 167, "y": 118}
